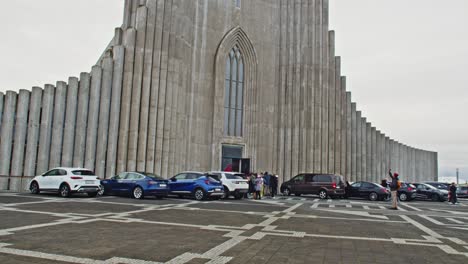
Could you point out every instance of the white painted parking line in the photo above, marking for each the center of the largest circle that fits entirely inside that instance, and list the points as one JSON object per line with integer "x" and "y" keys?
{"x": 381, "y": 207}
{"x": 365, "y": 207}
{"x": 315, "y": 205}
{"x": 411, "y": 207}
{"x": 331, "y": 206}
{"x": 348, "y": 206}
{"x": 421, "y": 227}
{"x": 455, "y": 220}
{"x": 315, "y": 200}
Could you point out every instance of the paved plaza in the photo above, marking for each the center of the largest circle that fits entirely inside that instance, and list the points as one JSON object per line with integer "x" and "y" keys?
{"x": 110, "y": 230}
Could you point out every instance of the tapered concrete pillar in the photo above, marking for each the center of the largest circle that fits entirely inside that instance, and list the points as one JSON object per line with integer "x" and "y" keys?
{"x": 343, "y": 128}
{"x": 364, "y": 149}
{"x": 81, "y": 120}
{"x": 2, "y": 97}
{"x": 349, "y": 129}
{"x": 369, "y": 175}
{"x": 359, "y": 176}
{"x": 129, "y": 42}
{"x": 331, "y": 104}
{"x": 6, "y": 136}
{"x": 137, "y": 88}
{"x": 104, "y": 112}
{"x": 378, "y": 156}
{"x": 374, "y": 154}
{"x": 70, "y": 122}
{"x": 33, "y": 132}
{"x": 338, "y": 116}
{"x": 353, "y": 143}
{"x": 21, "y": 128}
{"x": 388, "y": 153}
{"x": 45, "y": 135}
{"x": 58, "y": 125}
{"x": 93, "y": 117}
{"x": 117, "y": 78}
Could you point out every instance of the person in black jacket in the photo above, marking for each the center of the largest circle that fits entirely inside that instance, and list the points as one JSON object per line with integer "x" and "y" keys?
{"x": 394, "y": 186}
{"x": 453, "y": 193}
{"x": 274, "y": 185}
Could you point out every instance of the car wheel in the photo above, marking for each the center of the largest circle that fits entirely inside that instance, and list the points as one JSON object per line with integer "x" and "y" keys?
{"x": 373, "y": 196}
{"x": 403, "y": 197}
{"x": 199, "y": 195}
{"x": 238, "y": 196}
{"x": 138, "y": 193}
{"x": 323, "y": 194}
{"x": 34, "y": 188}
{"x": 297, "y": 194}
{"x": 435, "y": 197}
{"x": 101, "y": 190}
{"x": 226, "y": 193}
{"x": 92, "y": 194}
{"x": 287, "y": 192}
{"x": 64, "y": 190}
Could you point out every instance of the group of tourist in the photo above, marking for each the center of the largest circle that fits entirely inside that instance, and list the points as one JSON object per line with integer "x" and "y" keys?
{"x": 262, "y": 184}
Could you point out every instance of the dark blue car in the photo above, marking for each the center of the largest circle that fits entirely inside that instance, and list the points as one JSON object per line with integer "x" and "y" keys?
{"x": 198, "y": 185}
{"x": 136, "y": 184}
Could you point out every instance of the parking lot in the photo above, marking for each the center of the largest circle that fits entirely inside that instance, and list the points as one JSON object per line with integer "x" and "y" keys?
{"x": 48, "y": 229}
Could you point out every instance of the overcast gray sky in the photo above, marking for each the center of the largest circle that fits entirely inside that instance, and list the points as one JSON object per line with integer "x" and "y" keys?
{"x": 405, "y": 61}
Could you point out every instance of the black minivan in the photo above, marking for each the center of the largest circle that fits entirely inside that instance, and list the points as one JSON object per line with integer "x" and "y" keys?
{"x": 323, "y": 185}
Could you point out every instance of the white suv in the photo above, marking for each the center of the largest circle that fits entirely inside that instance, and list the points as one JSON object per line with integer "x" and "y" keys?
{"x": 66, "y": 181}
{"x": 233, "y": 182}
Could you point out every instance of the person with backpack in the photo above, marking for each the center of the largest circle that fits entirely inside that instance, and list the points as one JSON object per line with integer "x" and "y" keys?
{"x": 394, "y": 186}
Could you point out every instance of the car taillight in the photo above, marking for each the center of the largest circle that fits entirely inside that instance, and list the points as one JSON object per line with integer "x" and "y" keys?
{"x": 410, "y": 189}
{"x": 383, "y": 190}
{"x": 76, "y": 178}
{"x": 207, "y": 182}
{"x": 334, "y": 185}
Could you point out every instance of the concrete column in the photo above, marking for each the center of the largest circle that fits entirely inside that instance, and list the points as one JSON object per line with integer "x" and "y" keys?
{"x": 6, "y": 135}
{"x": 81, "y": 120}
{"x": 2, "y": 97}
{"x": 136, "y": 90}
{"x": 369, "y": 175}
{"x": 70, "y": 122}
{"x": 317, "y": 87}
{"x": 21, "y": 128}
{"x": 343, "y": 127}
{"x": 33, "y": 132}
{"x": 104, "y": 112}
{"x": 146, "y": 86}
{"x": 93, "y": 117}
{"x": 117, "y": 78}
{"x": 353, "y": 143}
{"x": 374, "y": 154}
{"x": 387, "y": 156}
{"x": 363, "y": 149}
{"x": 349, "y": 129}
{"x": 58, "y": 125}
{"x": 45, "y": 129}
{"x": 359, "y": 176}
{"x": 338, "y": 118}
{"x": 378, "y": 156}
{"x": 129, "y": 43}
{"x": 331, "y": 104}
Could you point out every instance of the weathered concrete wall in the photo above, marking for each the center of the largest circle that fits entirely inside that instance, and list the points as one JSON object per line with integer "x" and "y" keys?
{"x": 155, "y": 100}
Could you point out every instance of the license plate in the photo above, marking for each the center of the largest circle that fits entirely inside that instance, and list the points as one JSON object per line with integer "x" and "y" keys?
{"x": 217, "y": 189}
{"x": 89, "y": 182}
{"x": 162, "y": 185}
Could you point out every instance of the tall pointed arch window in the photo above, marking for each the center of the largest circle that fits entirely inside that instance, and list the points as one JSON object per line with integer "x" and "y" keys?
{"x": 234, "y": 94}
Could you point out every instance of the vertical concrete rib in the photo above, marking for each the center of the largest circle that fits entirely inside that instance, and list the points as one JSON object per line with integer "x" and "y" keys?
{"x": 113, "y": 136}
{"x": 146, "y": 86}
{"x": 137, "y": 88}
{"x": 6, "y": 136}
{"x": 2, "y": 98}
{"x": 364, "y": 149}
{"x": 70, "y": 122}
{"x": 353, "y": 142}
{"x": 359, "y": 176}
{"x": 325, "y": 66}
{"x": 104, "y": 113}
{"x": 349, "y": 143}
{"x": 338, "y": 118}
{"x": 93, "y": 117}
{"x": 129, "y": 43}
{"x": 369, "y": 175}
{"x": 295, "y": 105}
{"x": 378, "y": 155}
{"x": 21, "y": 128}
{"x": 331, "y": 103}
{"x": 33, "y": 132}
{"x": 318, "y": 88}
{"x": 58, "y": 124}
{"x": 344, "y": 129}
{"x": 46, "y": 128}
{"x": 374, "y": 154}
{"x": 81, "y": 120}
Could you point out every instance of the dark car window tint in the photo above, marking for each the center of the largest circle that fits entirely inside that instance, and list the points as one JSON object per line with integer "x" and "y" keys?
{"x": 234, "y": 176}
{"x": 194, "y": 176}
{"x": 181, "y": 176}
{"x": 298, "y": 178}
{"x": 120, "y": 176}
{"x": 154, "y": 176}
{"x": 322, "y": 178}
{"x": 212, "y": 179}
{"x": 356, "y": 184}
{"x": 367, "y": 185}
{"x": 62, "y": 172}
{"x": 51, "y": 173}
{"x": 309, "y": 178}
{"x": 338, "y": 179}
{"x": 83, "y": 172}
{"x": 464, "y": 188}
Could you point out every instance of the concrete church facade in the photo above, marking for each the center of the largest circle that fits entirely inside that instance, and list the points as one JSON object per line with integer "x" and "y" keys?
{"x": 188, "y": 85}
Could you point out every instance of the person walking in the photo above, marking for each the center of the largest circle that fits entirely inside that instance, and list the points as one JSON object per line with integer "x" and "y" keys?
{"x": 252, "y": 189}
{"x": 266, "y": 182}
{"x": 258, "y": 187}
{"x": 273, "y": 185}
{"x": 453, "y": 193}
{"x": 394, "y": 186}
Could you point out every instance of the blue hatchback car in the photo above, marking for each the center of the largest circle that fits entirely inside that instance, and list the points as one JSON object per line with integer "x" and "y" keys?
{"x": 136, "y": 184}
{"x": 199, "y": 185}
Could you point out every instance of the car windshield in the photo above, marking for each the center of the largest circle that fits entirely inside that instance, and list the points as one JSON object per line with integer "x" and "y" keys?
{"x": 154, "y": 176}
{"x": 234, "y": 176}
{"x": 212, "y": 178}
{"x": 83, "y": 172}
